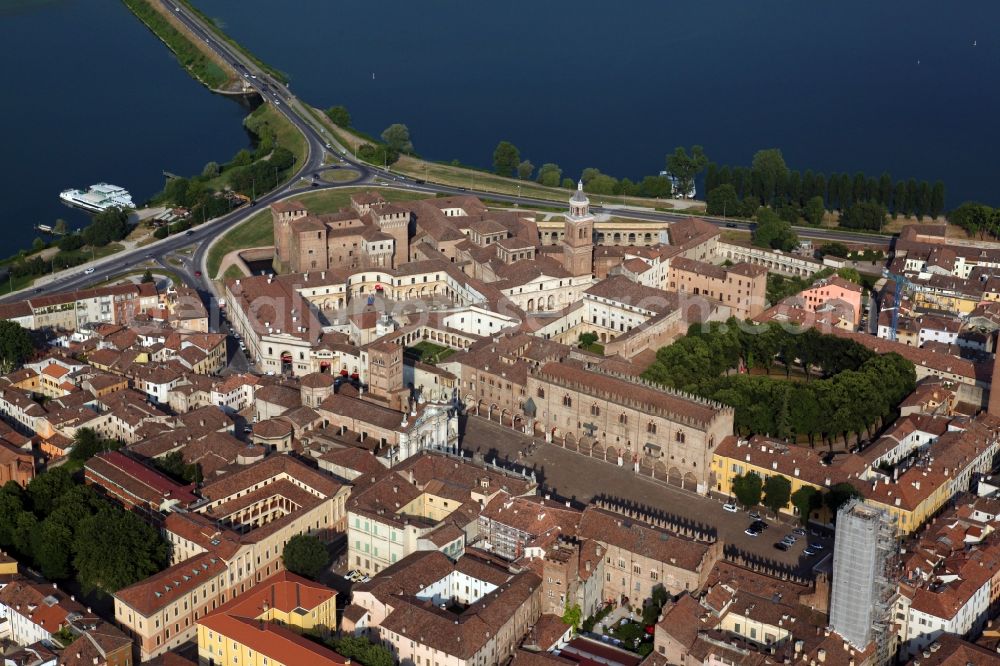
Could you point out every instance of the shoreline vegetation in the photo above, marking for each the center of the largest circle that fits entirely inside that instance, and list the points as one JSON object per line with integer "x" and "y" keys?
{"x": 549, "y": 183}
{"x": 200, "y": 63}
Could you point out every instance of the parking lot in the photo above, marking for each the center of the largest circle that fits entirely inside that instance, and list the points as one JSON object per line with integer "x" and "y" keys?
{"x": 573, "y": 476}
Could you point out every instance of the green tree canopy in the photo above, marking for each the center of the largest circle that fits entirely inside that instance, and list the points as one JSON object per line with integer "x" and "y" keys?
{"x": 397, "y": 137}
{"x": 362, "y": 650}
{"x": 15, "y": 345}
{"x": 549, "y": 175}
{"x": 572, "y": 616}
{"x": 748, "y": 489}
{"x": 305, "y": 555}
{"x": 723, "y": 201}
{"x": 113, "y": 549}
{"x": 767, "y": 171}
{"x": 107, "y": 226}
{"x": 684, "y": 168}
{"x": 839, "y": 495}
{"x": 835, "y": 249}
{"x": 777, "y": 492}
{"x": 773, "y": 232}
{"x": 525, "y": 169}
{"x": 814, "y": 210}
{"x": 506, "y": 158}
{"x": 806, "y": 499}
{"x": 211, "y": 170}
{"x": 339, "y": 115}
{"x": 45, "y": 489}
{"x": 869, "y": 215}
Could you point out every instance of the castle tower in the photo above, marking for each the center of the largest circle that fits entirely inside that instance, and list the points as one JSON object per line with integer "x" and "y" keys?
{"x": 578, "y": 237}
{"x": 395, "y": 222}
{"x": 283, "y": 213}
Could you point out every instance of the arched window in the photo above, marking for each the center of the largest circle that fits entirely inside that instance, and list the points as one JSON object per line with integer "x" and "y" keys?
{"x": 679, "y": 437}
{"x": 567, "y": 401}
{"x": 541, "y": 392}
{"x": 623, "y": 419}
{"x": 595, "y": 410}
{"x": 651, "y": 428}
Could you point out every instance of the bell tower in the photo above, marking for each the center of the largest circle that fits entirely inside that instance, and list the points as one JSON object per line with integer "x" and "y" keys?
{"x": 578, "y": 236}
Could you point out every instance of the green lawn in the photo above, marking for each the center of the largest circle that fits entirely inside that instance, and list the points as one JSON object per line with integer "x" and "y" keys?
{"x": 257, "y": 231}
{"x": 428, "y": 352}
{"x": 233, "y": 272}
{"x": 339, "y": 175}
{"x": 287, "y": 134}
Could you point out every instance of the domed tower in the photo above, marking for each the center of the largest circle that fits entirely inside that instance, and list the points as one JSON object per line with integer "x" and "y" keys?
{"x": 578, "y": 236}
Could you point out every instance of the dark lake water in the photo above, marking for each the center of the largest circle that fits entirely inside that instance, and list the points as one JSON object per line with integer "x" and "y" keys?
{"x": 892, "y": 85}
{"x": 91, "y": 95}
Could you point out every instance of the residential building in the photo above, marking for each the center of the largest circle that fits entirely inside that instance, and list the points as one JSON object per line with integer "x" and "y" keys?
{"x": 428, "y": 502}
{"x": 741, "y": 287}
{"x": 264, "y": 625}
{"x": 429, "y": 608}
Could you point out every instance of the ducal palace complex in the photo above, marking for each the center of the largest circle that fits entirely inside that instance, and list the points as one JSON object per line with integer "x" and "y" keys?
{"x": 507, "y": 296}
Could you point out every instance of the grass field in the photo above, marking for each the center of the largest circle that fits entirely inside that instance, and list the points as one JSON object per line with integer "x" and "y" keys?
{"x": 257, "y": 230}
{"x": 286, "y": 133}
{"x": 339, "y": 175}
{"x": 428, "y": 352}
{"x": 233, "y": 272}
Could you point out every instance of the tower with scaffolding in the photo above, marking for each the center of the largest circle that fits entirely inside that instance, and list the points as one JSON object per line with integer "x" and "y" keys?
{"x": 862, "y": 591}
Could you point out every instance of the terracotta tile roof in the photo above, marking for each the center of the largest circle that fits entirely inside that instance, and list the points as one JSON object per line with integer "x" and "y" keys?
{"x": 142, "y": 483}
{"x": 42, "y": 604}
{"x": 621, "y": 389}
{"x": 620, "y": 289}
{"x": 267, "y": 470}
{"x": 642, "y": 539}
{"x": 163, "y": 588}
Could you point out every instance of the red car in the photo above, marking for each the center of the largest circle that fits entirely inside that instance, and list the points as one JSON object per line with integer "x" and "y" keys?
{"x": 197, "y": 273}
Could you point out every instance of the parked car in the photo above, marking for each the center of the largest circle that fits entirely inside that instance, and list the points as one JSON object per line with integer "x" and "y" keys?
{"x": 351, "y": 574}
{"x": 799, "y": 531}
{"x": 816, "y": 546}
{"x": 790, "y": 540}
{"x": 731, "y": 507}
{"x": 781, "y": 545}
{"x": 759, "y": 525}
{"x": 750, "y": 531}
{"x": 808, "y": 552}
{"x": 755, "y": 514}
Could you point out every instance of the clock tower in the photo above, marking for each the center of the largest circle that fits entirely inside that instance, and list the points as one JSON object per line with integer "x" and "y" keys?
{"x": 578, "y": 236}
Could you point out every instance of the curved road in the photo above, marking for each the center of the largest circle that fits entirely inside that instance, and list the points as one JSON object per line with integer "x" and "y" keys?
{"x": 274, "y": 92}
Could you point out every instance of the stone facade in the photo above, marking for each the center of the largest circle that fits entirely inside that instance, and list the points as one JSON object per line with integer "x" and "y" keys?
{"x": 629, "y": 421}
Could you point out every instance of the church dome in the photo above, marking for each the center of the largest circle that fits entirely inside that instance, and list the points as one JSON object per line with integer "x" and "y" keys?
{"x": 579, "y": 196}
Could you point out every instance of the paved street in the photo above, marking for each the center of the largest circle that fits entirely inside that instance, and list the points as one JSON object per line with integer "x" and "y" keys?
{"x": 573, "y": 476}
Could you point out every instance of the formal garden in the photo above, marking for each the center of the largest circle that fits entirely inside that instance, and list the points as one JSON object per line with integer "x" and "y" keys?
{"x": 794, "y": 384}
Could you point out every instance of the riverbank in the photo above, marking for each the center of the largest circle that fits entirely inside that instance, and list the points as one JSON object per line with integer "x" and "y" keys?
{"x": 465, "y": 177}
{"x": 200, "y": 62}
